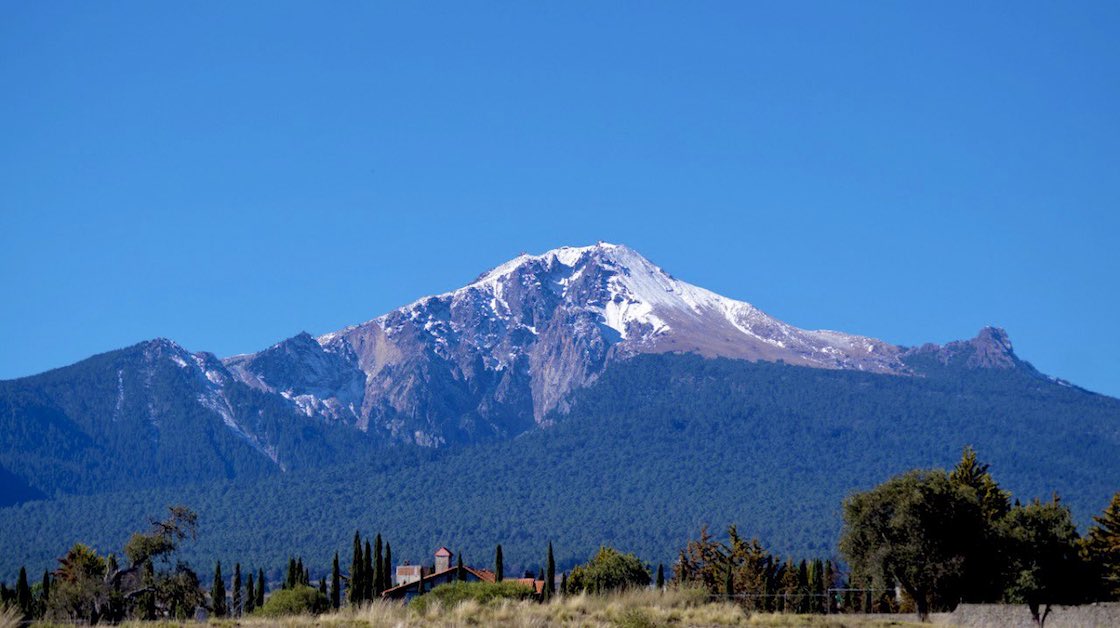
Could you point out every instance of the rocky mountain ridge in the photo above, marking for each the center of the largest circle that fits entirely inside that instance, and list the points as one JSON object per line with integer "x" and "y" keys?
{"x": 494, "y": 358}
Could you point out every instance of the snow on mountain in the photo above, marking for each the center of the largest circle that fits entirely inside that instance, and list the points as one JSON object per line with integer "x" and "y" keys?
{"x": 498, "y": 355}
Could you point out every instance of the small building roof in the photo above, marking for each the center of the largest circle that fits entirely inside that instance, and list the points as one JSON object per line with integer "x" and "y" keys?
{"x": 443, "y": 551}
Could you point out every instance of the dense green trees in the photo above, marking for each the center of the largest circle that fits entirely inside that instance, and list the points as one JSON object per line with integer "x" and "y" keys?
{"x": 608, "y": 570}
{"x": 944, "y": 537}
{"x": 745, "y": 427}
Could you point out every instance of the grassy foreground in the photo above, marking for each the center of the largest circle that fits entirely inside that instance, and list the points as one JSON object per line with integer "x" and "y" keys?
{"x": 636, "y": 609}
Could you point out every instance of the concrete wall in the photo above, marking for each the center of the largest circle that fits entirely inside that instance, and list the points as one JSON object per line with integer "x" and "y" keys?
{"x": 1015, "y": 616}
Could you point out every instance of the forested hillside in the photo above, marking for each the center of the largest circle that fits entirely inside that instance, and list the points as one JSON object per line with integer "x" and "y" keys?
{"x": 659, "y": 446}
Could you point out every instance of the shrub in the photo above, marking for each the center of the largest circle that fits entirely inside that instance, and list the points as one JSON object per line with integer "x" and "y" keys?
{"x": 609, "y": 570}
{"x": 452, "y": 594}
{"x": 301, "y": 600}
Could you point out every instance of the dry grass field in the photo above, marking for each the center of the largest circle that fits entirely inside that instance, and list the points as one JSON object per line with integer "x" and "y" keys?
{"x": 638, "y": 609}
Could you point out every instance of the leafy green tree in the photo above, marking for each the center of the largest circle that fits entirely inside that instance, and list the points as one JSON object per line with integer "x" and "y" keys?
{"x": 1102, "y": 547}
{"x": 984, "y": 573}
{"x": 609, "y": 570}
{"x": 357, "y": 568}
{"x": 80, "y": 592}
{"x": 919, "y": 529}
{"x": 298, "y": 600}
{"x": 236, "y": 608}
{"x": 218, "y": 592}
{"x": 499, "y": 571}
{"x": 1042, "y": 548}
{"x": 336, "y": 583}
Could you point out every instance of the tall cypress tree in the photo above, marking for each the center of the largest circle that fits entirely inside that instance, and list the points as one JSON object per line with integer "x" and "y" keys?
{"x": 499, "y": 569}
{"x": 460, "y": 573}
{"x": 260, "y": 588}
{"x": 420, "y": 582}
{"x": 323, "y": 586}
{"x": 660, "y": 576}
{"x": 236, "y": 609}
{"x": 302, "y": 577}
{"x": 378, "y": 568}
{"x": 367, "y": 573}
{"x": 45, "y": 592}
{"x": 388, "y": 566}
{"x": 218, "y": 592}
{"x": 250, "y": 595}
{"x": 356, "y": 568}
{"x": 23, "y": 593}
{"x": 336, "y": 581}
{"x": 550, "y": 581}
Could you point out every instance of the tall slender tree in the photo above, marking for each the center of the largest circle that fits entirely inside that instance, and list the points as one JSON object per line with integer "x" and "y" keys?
{"x": 499, "y": 568}
{"x": 261, "y": 587}
{"x": 460, "y": 573}
{"x": 23, "y": 593}
{"x": 357, "y": 567}
{"x": 367, "y": 573}
{"x": 218, "y": 592}
{"x": 323, "y": 586}
{"x": 336, "y": 582}
{"x": 550, "y": 572}
{"x": 45, "y": 590}
{"x": 236, "y": 609}
{"x": 388, "y": 566}
{"x": 420, "y": 582}
{"x": 250, "y": 595}
{"x": 1102, "y": 546}
{"x": 660, "y": 576}
{"x": 378, "y": 568}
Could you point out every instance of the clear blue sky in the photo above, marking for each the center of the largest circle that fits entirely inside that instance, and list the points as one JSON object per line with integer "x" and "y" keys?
{"x": 229, "y": 174}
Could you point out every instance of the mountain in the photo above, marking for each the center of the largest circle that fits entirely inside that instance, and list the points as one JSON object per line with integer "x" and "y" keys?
{"x": 499, "y": 358}
{"x": 492, "y": 359}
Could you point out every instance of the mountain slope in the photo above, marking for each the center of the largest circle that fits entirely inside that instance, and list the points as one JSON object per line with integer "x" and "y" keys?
{"x": 656, "y": 447}
{"x": 152, "y": 414}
